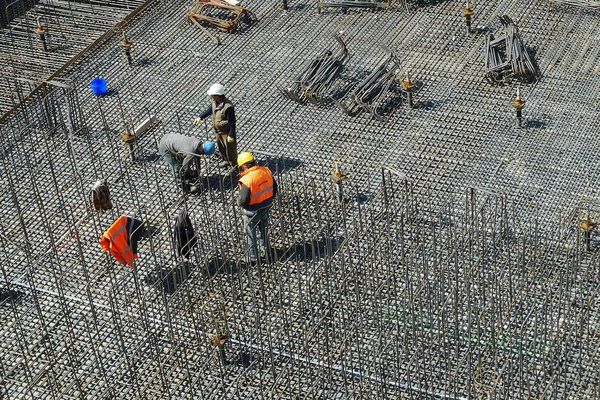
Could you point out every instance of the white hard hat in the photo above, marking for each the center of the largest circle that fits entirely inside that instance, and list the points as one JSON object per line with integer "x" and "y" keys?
{"x": 216, "y": 90}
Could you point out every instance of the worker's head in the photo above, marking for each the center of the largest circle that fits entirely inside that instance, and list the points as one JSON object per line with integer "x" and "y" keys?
{"x": 245, "y": 160}
{"x": 208, "y": 147}
{"x": 216, "y": 91}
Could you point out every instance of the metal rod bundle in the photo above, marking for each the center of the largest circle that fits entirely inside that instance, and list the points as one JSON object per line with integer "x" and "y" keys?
{"x": 368, "y": 93}
{"x": 346, "y": 4}
{"x": 220, "y": 14}
{"x": 578, "y": 3}
{"x": 507, "y": 57}
{"x": 315, "y": 83}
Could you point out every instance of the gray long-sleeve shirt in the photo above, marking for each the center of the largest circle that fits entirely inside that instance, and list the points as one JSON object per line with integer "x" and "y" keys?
{"x": 181, "y": 146}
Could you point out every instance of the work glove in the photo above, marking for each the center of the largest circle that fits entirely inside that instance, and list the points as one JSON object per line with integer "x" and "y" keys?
{"x": 230, "y": 139}
{"x": 198, "y": 121}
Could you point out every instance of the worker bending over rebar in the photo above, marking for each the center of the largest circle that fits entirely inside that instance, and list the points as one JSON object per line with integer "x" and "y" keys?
{"x": 223, "y": 120}
{"x": 178, "y": 152}
{"x": 258, "y": 188}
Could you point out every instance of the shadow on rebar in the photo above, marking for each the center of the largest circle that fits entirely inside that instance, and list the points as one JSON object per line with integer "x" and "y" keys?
{"x": 9, "y": 296}
{"x": 219, "y": 265}
{"x": 313, "y": 250}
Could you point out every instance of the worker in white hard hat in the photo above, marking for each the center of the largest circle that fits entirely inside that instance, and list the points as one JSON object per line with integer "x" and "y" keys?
{"x": 223, "y": 120}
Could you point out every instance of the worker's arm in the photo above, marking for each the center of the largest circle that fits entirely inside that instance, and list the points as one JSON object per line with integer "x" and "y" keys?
{"x": 206, "y": 113}
{"x": 187, "y": 160}
{"x": 230, "y": 115}
{"x": 244, "y": 196}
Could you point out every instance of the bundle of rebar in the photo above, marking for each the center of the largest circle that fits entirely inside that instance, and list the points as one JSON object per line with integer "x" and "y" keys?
{"x": 578, "y": 3}
{"x": 367, "y": 94}
{"x": 220, "y": 14}
{"x": 507, "y": 57}
{"x": 315, "y": 82}
{"x": 346, "y": 4}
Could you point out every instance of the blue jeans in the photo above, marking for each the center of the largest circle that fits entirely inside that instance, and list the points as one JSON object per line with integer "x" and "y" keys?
{"x": 173, "y": 164}
{"x": 253, "y": 220}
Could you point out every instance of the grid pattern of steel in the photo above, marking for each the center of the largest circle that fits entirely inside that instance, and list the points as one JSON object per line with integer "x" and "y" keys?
{"x": 453, "y": 267}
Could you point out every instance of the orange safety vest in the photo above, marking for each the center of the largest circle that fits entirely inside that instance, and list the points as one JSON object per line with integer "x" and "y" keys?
{"x": 116, "y": 241}
{"x": 260, "y": 182}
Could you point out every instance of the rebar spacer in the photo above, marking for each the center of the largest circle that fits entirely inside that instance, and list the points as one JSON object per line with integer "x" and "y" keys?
{"x": 41, "y": 30}
{"x": 468, "y": 12}
{"x": 220, "y": 338}
{"x": 126, "y": 44}
{"x": 128, "y": 137}
{"x": 518, "y": 103}
{"x": 587, "y": 225}
{"x": 408, "y": 84}
{"x": 337, "y": 176}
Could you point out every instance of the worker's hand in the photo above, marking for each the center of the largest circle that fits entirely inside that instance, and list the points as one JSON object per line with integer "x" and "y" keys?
{"x": 230, "y": 139}
{"x": 198, "y": 121}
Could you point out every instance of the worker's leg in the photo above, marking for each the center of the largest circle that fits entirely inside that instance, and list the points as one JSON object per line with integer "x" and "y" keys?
{"x": 250, "y": 223}
{"x": 227, "y": 150}
{"x": 263, "y": 226}
{"x": 231, "y": 152}
{"x": 222, "y": 145}
{"x": 173, "y": 165}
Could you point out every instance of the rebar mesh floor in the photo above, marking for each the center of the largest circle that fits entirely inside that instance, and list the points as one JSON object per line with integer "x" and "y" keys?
{"x": 454, "y": 268}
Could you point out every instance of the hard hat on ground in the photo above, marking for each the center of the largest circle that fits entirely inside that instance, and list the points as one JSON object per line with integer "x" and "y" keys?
{"x": 245, "y": 158}
{"x": 216, "y": 90}
{"x": 209, "y": 147}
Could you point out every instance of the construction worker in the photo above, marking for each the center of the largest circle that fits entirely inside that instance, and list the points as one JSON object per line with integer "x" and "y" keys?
{"x": 223, "y": 120}
{"x": 178, "y": 152}
{"x": 257, "y": 191}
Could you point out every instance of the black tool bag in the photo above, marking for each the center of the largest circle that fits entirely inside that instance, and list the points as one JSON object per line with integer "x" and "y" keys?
{"x": 184, "y": 237}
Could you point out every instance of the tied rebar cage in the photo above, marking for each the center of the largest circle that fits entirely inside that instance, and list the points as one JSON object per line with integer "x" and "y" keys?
{"x": 447, "y": 255}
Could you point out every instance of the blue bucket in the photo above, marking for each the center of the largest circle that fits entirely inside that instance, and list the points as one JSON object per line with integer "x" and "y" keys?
{"x": 99, "y": 86}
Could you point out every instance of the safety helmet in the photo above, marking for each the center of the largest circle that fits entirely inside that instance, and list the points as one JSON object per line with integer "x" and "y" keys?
{"x": 216, "y": 90}
{"x": 209, "y": 147}
{"x": 245, "y": 158}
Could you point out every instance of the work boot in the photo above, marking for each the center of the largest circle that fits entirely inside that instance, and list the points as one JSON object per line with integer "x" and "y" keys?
{"x": 190, "y": 175}
{"x": 187, "y": 188}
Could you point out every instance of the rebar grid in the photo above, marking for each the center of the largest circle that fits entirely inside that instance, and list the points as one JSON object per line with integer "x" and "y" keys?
{"x": 68, "y": 28}
{"x": 413, "y": 289}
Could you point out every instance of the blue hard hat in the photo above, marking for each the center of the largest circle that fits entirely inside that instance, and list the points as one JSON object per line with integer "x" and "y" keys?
{"x": 209, "y": 148}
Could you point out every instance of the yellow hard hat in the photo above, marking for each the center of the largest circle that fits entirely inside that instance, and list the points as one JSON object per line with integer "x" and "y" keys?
{"x": 244, "y": 158}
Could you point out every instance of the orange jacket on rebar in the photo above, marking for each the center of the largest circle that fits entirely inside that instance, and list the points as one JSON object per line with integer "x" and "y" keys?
{"x": 120, "y": 240}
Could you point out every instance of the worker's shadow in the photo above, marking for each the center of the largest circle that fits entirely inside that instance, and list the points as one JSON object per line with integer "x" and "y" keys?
{"x": 280, "y": 164}
{"x": 220, "y": 266}
{"x": 218, "y": 182}
{"x": 313, "y": 250}
{"x": 427, "y": 3}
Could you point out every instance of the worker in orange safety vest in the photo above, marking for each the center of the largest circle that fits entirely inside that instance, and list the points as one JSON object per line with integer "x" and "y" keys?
{"x": 258, "y": 188}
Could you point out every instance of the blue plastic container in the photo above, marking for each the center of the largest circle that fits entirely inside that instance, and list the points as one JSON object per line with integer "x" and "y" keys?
{"x": 99, "y": 86}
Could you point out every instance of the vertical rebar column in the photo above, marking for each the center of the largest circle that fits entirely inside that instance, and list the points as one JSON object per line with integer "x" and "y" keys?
{"x": 408, "y": 85}
{"x": 468, "y": 14}
{"x": 42, "y": 31}
{"x": 587, "y": 226}
{"x": 518, "y": 103}
{"x": 338, "y": 178}
{"x": 126, "y": 48}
